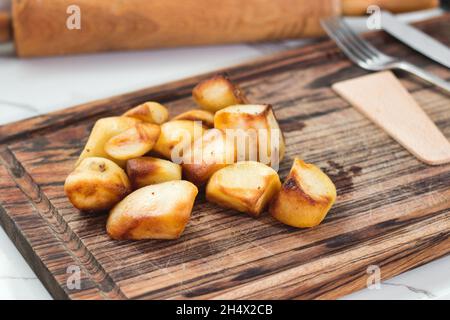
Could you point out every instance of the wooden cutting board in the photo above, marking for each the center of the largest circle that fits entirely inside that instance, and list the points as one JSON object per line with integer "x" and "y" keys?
{"x": 392, "y": 210}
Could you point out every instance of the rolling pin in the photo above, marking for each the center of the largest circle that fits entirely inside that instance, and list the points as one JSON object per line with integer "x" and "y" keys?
{"x": 42, "y": 28}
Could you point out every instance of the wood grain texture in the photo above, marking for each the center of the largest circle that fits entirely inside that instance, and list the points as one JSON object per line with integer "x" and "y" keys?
{"x": 392, "y": 210}
{"x": 383, "y": 99}
{"x": 5, "y": 26}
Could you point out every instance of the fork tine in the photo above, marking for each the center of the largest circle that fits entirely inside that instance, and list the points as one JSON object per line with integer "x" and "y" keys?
{"x": 371, "y": 53}
{"x": 355, "y": 41}
{"x": 362, "y": 43}
{"x": 368, "y": 57}
{"x": 353, "y": 46}
{"x": 331, "y": 27}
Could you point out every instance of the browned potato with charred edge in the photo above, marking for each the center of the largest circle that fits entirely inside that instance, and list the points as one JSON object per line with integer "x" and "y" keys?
{"x": 305, "y": 197}
{"x": 246, "y": 186}
{"x": 206, "y": 117}
{"x": 176, "y": 134}
{"x": 146, "y": 171}
{"x": 97, "y": 184}
{"x": 134, "y": 142}
{"x": 151, "y": 112}
{"x": 159, "y": 211}
{"x": 217, "y": 93}
{"x": 259, "y": 120}
{"x": 208, "y": 154}
{"x": 103, "y": 130}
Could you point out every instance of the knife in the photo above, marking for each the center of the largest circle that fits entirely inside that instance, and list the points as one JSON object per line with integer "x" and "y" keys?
{"x": 415, "y": 39}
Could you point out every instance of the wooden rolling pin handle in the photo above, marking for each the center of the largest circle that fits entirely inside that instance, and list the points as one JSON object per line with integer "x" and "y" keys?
{"x": 359, "y": 7}
{"x": 5, "y": 27}
{"x": 142, "y": 24}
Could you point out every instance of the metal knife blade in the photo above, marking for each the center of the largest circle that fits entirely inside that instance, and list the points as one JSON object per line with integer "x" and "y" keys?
{"x": 415, "y": 39}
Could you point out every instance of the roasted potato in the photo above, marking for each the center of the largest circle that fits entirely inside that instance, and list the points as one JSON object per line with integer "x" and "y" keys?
{"x": 151, "y": 112}
{"x": 246, "y": 186}
{"x": 208, "y": 154}
{"x": 104, "y": 129}
{"x": 159, "y": 211}
{"x": 178, "y": 135}
{"x": 217, "y": 93}
{"x": 305, "y": 197}
{"x": 97, "y": 184}
{"x": 206, "y": 117}
{"x": 134, "y": 142}
{"x": 263, "y": 140}
{"x": 147, "y": 170}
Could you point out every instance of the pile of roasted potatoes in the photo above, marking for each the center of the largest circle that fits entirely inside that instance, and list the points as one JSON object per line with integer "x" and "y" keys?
{"x": 127, "y": 167}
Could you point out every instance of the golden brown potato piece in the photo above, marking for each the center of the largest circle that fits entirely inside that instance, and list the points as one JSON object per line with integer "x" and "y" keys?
{"x": 206, "y": 117}
{"x": 246, "y": 186}
{"x": 305, "y": 197}
{"x": 159, "y": 211}
{"x": 217, "y": 93}
{"x": 104, "y": 129}
{"x": 264, "y": 141}
{"x": 178, "y": 135}
{"x": 97, "y": 184}
{"x": 151, "y": 112}
{"x": 146, "y": 171}
{"x": 134, "y": 142}
{"x": 208, "y": 154}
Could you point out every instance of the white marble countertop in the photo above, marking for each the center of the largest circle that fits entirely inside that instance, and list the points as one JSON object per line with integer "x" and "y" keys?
{"x": 37, "y": 86}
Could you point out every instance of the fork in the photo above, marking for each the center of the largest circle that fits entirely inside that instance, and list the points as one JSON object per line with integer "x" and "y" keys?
{"x": 368, "y": 57}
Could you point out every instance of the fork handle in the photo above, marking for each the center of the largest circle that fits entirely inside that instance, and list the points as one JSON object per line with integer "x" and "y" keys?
{"x": 425, "y": 75}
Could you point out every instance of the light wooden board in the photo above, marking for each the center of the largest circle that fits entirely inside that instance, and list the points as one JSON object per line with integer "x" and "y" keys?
{"x": 383, "y": 99}
{"x": 392, "y": 210}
